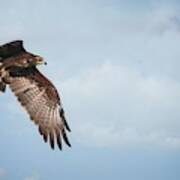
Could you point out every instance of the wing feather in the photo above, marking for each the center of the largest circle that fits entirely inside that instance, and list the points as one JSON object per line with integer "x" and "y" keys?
{"x": 41, "y": 100}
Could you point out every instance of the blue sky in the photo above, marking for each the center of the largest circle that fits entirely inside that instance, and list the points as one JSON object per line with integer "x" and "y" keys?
{"x": 116, "y": 66}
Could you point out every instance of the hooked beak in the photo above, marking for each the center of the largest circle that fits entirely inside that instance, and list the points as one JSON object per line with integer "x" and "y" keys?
{"x": 40, "y": 60}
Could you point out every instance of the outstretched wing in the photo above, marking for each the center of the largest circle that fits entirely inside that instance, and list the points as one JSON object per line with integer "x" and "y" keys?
{"x": 41, "y": 100}
{"x": 11, "y": 49}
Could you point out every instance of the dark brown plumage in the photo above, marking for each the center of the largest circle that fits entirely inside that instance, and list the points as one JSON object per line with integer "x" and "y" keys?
{"x": 34, "y": 91}
{"x": 11, "y": 49}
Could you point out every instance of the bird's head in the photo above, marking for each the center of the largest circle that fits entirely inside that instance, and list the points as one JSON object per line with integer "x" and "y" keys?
{"x": 30, "y": 60}
{"x": 38, "y": 60}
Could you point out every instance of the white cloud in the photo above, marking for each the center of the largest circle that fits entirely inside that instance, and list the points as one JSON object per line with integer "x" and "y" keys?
{"x": 115, "y": 105}
{"x": 34, "y": 176}
{"x": 162, "y": 19}
{"x": 134, "y": 97}
{"x": 2, "y": 173}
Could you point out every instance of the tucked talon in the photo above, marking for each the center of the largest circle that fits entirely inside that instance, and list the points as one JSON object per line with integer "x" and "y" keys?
{"x": 2, "y": 87}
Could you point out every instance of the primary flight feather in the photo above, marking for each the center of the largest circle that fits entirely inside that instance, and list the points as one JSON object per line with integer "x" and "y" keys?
{"x": 34, "y": 91}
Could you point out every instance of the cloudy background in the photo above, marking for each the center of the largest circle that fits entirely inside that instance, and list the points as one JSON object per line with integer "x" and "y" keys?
{"x": 116, "y": 65}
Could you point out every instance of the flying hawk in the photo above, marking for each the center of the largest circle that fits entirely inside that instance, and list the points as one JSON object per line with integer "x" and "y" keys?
{"x": 34, "y": 91}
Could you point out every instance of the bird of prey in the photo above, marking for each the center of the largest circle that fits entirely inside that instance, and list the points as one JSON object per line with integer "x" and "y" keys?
{"x": 34, "y": 91}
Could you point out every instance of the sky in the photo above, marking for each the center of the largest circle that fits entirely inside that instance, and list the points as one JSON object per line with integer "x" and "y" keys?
{"x": 116, "y": 66}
